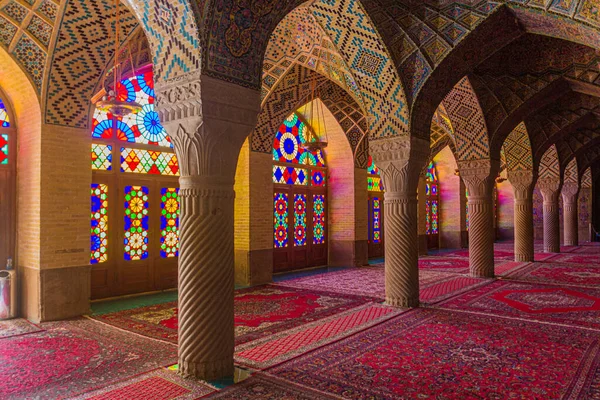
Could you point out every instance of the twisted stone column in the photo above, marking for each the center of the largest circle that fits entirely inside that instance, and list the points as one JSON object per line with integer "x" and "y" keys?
{"x": 522, "y": 183}
{"x": 479, "y": 177}
{"x": 207, "y": 134}
{"x": 400, "y": 161}
{"x": 550, "y": 189}
{"x": 570, "y": 193}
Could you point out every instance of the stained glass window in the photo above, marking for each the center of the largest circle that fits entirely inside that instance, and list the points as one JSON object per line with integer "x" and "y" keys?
{"x": 280, "y": 219}
{"x": 372, "y": 168}
{"x": 4, "y": 120}
{"x": 290, "y": 175}
{"x": 467, "y": 209}
{"x": 374, "y": 183}
{"x": 376, "y": 220}
{"x": 431, "y": 200}
{"x": 149, "y": 162}
{"x": 99, "y": 223}
{"x": 318, "y": 219}
{"x": 169, "y": 222}
{"x": 102, "y": 157}
{"x": 143, "y": 127}
{"x": 136, "y": 223}
{"x": 318, "y": 178}
{"x": 286, "y": 147}
{"x": 299, "y": 220}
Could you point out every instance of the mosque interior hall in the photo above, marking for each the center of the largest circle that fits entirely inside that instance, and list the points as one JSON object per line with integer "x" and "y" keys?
{"x": 299, "y": 200}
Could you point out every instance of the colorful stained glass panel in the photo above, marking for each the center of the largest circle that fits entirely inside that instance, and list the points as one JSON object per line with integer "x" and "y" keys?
{"x": 136, "y": 223}
{"x": 287, "y": 144}
{"x": 374, "y": 184}
{"x": 99, "y": 223}
{"x": 299, "y": 220}
{"x": 318, "y": 178}
{"x": 3, "y": 149}
{"x": 290, "y": 175}
{"x": 149, "y": 162}
{"x": 318, "y": 219}
{"x": 372, "y": 168}
{"x": 280, "y": 220}
{"x": 101, "y": 157}
{"x": 376, "y": 220}
{"x": 434, "y": 217}
{"x": 4, "y": 120}
{"x": 169, "y": 222}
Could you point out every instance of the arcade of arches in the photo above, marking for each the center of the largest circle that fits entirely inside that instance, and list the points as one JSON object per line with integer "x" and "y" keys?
{"x": 463, "y": 145}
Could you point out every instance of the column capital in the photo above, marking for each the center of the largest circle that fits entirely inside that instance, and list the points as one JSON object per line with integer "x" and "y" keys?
{"x": 478, "y": 175}
{"x": 550, "y": 188}
{"x": 522, "y": 183}
{"x": 400, "y": 161}
{"x": 569, "y": 192}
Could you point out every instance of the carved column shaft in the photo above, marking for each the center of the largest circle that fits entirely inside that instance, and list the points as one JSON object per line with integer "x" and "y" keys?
{"x": 522, "y": 183}
{"x": 207, "y": 133}
{"x": 479, "y": 177}
{"x": 550, "y": 190}
{"x": 400, "y": 161}
{"x": 570, "y": 193}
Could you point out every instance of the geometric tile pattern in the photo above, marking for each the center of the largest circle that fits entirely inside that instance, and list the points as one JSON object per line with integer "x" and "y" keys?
{"x": 549, "y": 166}
{"x": 49, "y": 9}
{"x": 32, "y": 58}
{"x": 40, "y": 29}
{"x": 351, "y": 30}
{"x": 517, "y": 150}
{"x": 468, "y": 122}
{"x": 7, "y": 32}
{"x": 571, "y": 172}
{"x": 83, "y": 49}
{"x": 15, "y": 11}
{"x": 586, "y": 179}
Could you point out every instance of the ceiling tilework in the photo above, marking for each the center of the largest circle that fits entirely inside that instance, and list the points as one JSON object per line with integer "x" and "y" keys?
{"x": 25, "y": 32}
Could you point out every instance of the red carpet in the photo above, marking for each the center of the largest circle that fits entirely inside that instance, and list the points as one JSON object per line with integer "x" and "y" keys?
{"x": 440, "y": 291}
{"x": 259, "y": 311}
{"x": 558, "y": 274}
{"x": 260, "y": 387}
{"x": 503, "y": 254}
{"x": 159, "y": 384}
{"x": 444, "y": 264}
{"x": 507, "y": 266}
{"x": 577, "y": 258}
{"x": 437, "y": 354}
{"x": 70, "y": 357}
{"x": 17, "y": 327}
{"x": 274, "y": 349}
{"x": 570, "y": 306}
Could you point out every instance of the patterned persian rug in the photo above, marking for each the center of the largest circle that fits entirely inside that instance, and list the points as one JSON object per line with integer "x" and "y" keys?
{"x": 444, "y": 355}
{"x": 259, "y": 311}
{"x": 272, "y": 350}
{"x": 157, "y": 384}
{"x": 17, "y": 327}
{"x": 577, "y": 258}
{"x": 260, "y": 387}
{"x": 504, "y": 254}
{"x": 573, "y": 306}
{"x": 558, "y": 274}
{"x": 73, "y": 356}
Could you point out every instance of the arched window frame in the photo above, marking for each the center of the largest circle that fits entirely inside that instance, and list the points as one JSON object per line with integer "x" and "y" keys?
{"x": 432, "y": 200}
{"x": 8, "y": 169}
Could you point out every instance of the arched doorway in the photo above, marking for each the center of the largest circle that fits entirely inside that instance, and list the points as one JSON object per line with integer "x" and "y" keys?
{"x": 375, "y": 189}
{"x": 432, "y": 207}
{"x": 134, "y": 202}
{"x": 299, "y": 200}
{"x": 7, "y": 182}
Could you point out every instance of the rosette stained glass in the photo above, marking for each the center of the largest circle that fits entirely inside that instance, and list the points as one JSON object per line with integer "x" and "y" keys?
{"x": 99, "y": 223}
{"x": 101, "y": 157}
{"x": 143, "y": 127}
{"x": 136, "y": 223}
{"x": 169, "y": 222}
{"x": 372, "y": 168}
{"x": 318, "y": 178}
{"x": 318, "y": 219}
{"x": 299, "y": 220}
{"x": 280, "y": 219}
{"x": 287, "y": 145}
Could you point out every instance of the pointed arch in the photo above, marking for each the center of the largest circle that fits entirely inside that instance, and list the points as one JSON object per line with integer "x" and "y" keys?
{"x": 549, "y": 165}
{"x": 586, "y": 178}
{"x": 571, "y": 175}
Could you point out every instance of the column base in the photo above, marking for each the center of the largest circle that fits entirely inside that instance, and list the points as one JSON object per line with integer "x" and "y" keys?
{"x": 571, "y": 243}
{"x": 482, "y": 274}
{"x": 551, "y": 249}
{"x": 209, "y": 370}
{"x": 524, "y": 258}
{"x": 402, "y": 302}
